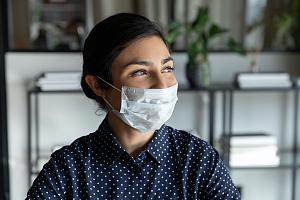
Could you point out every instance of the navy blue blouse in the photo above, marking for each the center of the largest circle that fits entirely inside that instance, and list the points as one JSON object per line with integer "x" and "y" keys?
{"x": 175, "y": 165}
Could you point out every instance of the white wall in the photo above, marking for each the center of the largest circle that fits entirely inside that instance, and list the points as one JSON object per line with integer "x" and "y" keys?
{"x": 60, "y": 113}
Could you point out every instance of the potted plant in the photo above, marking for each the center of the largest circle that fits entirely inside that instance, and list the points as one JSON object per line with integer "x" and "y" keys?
{"x": 199, "y": 33}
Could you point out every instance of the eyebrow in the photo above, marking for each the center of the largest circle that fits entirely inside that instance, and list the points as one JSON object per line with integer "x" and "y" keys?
{"x": 147, "y": 63}
{"x": 167, "y": 60}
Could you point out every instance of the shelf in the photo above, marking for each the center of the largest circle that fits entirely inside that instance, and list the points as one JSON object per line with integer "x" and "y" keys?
{"x": 232, "y": 87}
{"x": 286, "y": 161}
{"x": 35, "y": 91}
{"x": 265, "y": 168}
{"x": 186, "y": 88}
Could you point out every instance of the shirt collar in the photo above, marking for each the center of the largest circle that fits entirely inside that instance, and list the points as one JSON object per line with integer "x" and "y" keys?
{"x": 111, "y": 149}
{"x": 159, "y": 146}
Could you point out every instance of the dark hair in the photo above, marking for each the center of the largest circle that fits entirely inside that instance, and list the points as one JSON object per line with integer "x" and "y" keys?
{"x": 106, "y": 41}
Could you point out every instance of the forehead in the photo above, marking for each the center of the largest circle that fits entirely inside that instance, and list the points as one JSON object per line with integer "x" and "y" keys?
{"x": 147, "y": 48}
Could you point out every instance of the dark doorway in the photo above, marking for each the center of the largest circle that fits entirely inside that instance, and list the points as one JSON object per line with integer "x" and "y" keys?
{"x": 4, "y": 171}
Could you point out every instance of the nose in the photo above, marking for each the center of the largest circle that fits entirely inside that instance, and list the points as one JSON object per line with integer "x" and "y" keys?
{"x": 159, "y": 82}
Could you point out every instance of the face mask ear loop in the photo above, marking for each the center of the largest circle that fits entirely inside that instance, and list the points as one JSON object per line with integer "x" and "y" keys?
{"x": 111, "y": 107}
{"x": 108, "y": 83}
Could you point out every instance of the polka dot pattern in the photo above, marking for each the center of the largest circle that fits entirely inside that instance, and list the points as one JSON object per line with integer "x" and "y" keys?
{"x": 175, "y": 165}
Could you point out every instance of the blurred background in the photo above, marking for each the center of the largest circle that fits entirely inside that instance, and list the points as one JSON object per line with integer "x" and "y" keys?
{"x": 42, "y": 107}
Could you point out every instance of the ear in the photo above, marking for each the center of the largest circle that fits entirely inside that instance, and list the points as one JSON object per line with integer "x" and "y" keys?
{"x": 93, "y": 83}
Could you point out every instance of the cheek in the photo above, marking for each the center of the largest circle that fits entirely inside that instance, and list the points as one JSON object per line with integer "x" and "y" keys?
{"x": 123, "y": 80}
{"x": 172, "y": 80}
{"x": 114, "y": 98}
{"x": 116, "y": 75}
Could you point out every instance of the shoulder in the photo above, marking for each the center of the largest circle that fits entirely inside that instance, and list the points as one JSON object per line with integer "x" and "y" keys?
{"x": 186, "y": 139}
{"x": 77, "y": 149}
{"x": 64, "y": 165}
{"x": 189, "y": 147}
{"x": 194, "y": 153}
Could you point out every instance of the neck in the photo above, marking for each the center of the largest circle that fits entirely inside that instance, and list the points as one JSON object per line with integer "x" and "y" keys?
{"x": 130, "y": 139}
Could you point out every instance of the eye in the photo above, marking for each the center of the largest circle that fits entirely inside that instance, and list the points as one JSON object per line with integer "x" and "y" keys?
{"x": 168, "y": 69}
{"x": 139, "y": 72}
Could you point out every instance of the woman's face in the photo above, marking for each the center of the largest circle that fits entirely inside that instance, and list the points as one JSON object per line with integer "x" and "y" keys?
{"x": 145, "y": 63}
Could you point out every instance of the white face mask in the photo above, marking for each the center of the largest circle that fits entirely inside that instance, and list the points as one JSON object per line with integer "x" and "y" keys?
{"x": 145, "y": 109}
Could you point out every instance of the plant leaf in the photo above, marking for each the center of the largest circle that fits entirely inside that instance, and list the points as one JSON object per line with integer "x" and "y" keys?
{"x": 201, "y": 19}
{"x": 236, "y": 46}
{"x": 174, "y": 30}
{"x": 215, "y": 30}
{"x": 284, "y": 24}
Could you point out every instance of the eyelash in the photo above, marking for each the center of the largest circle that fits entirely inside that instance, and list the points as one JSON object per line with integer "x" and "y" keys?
{"x": 169, "y": 68}
{"x": 137, "y": 72}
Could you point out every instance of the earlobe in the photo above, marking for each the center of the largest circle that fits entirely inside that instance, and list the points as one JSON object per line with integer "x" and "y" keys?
{"x": 94, "y": 85}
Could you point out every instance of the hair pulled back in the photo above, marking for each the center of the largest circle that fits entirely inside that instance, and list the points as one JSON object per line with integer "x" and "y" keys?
{"x": 106, "y": 41}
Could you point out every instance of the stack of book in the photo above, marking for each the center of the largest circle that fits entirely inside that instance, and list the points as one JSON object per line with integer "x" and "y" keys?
{"x": 297, "y": 82}
{"x": 59, "y": 81}
{"x": 251, "y": 150}
{"x": 264, "y": 80}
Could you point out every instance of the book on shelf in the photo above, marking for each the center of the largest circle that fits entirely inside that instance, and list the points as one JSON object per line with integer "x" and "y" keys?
{"x": 58, "y": 81}
{"x": 249, "y": 139}
{"x": 251, "y": 150}
{"x": 263, "y": 80}
{"x": 60, "y": 87}
{"x": 261, "y": 156}
{"x": 297, "y": 81}
{"x": 254, "y": 161}
{"x": 64, "y": 75}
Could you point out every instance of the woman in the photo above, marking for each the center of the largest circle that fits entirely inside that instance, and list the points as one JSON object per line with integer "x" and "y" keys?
{"x": 128, "y": 70}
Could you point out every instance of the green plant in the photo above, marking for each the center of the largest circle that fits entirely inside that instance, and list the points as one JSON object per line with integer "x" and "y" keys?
{"x": 286, "y": 25}
{"x": 200, "y": 32}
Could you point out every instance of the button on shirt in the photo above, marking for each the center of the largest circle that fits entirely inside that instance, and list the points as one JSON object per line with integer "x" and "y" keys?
{"x": 175, "y": 165}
